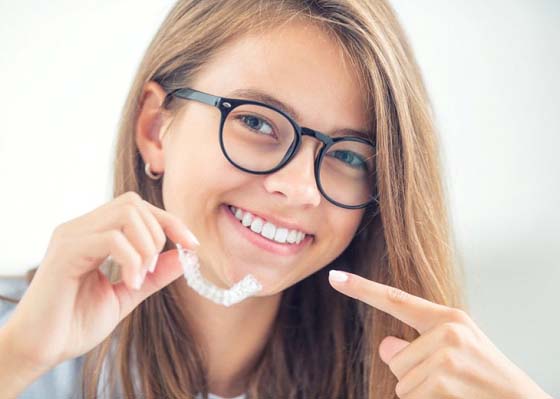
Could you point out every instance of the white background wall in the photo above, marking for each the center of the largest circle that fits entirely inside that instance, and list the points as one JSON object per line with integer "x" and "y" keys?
{"x": 491, "y": 68}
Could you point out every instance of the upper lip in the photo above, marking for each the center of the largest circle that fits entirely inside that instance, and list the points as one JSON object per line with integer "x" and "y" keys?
{"x": 275, "y": 220}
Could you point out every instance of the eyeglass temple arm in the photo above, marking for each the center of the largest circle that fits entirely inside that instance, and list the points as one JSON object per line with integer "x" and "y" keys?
{"x": 190, "y": 94}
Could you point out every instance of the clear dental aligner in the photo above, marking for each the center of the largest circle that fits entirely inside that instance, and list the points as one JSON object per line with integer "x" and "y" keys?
{"x": 241, "y": 290}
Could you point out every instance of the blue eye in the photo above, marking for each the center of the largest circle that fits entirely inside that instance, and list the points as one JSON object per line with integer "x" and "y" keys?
{"x": 256, "y": 123}
{"x": 350, "y": 158}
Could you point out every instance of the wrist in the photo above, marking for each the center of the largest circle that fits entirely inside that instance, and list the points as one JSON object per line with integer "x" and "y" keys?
{"x": 16, "y": 370}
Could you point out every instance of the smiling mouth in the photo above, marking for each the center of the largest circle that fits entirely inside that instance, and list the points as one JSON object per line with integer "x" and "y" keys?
{"x": 266, "y": 229}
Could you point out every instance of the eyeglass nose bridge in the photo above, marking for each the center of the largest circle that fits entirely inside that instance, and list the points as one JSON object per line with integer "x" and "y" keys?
{"x": 294, "y": 147}
{"x": 327, "y": 140}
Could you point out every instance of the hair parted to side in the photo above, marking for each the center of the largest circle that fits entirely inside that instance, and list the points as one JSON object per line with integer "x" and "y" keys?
{"x": 323, "y": 344}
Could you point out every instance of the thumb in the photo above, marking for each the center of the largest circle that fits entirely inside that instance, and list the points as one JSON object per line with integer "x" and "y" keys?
{"x": 168, "y": 269}
{"x": 390, "y": 346}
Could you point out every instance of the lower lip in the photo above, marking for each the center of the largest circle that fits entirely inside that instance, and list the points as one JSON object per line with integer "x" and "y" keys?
{"x": 265, "y": 243}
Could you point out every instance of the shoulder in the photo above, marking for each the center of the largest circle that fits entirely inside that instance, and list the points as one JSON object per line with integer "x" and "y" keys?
{"x": 62, "y": 381}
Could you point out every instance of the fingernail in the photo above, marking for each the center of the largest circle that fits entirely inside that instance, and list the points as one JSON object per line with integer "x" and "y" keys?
{"x": 338, "y": 276}
{"x": 137, "y": 282}
{"x": 192, "y": 238}
{"x": 153, "y": 262}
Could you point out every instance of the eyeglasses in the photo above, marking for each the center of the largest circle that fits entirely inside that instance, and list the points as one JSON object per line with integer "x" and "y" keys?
{"x": 261, "y": 139}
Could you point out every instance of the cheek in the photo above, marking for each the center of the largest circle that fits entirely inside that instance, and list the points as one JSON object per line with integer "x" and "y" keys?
{"x": 191, "y": 160}
{"x": 198, "y": 176}
{"x": 195, "y": 158}
{"x": 344, "y": 224}
{"x": 337, "y": 231}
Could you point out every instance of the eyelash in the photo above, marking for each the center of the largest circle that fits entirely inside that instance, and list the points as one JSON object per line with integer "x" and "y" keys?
{"x": 261, "y": 119}
{"x": 362, "y": 160}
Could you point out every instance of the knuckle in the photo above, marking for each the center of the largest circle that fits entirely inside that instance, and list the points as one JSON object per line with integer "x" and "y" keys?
{"x": 396, "y": 295}
{"x": 458, "y": 315}
{"x": 454, "y": 334}
{"x": 59, "y": 231}
{"x": 133, "y": 197}
{"x": 118, "y": 243}
{"x": 147, "y": 255}
{"x": 449, "y": 361}
{"x": 145, "y": 252}
{"x": 400, "y": 389}
{"x": 115, "y": 238}
{"x": 438, "y": 384}
{"x": 130, "y": 211}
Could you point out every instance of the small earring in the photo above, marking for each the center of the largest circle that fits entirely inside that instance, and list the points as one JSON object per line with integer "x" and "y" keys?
{"x": 150, "y": 174}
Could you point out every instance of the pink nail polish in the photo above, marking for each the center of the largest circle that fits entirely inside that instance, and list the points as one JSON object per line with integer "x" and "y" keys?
{"x": 192, "y": 238}
{"x": 138, "y": 280}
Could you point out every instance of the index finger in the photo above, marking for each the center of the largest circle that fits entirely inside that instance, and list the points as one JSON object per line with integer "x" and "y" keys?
{"x": 174, "y": 228}
{"x": 419, "y": 313}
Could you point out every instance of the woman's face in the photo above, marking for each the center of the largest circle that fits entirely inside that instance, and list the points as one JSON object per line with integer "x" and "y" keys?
{"x": 299, "y": 65}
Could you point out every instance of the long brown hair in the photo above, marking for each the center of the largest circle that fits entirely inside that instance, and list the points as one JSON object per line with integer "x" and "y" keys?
{"x": 322, "y": 344}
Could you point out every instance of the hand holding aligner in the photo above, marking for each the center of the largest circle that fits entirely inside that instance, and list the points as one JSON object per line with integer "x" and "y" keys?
{"x": 241, "y": 290}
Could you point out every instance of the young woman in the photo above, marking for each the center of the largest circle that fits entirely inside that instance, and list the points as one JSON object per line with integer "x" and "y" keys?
{"x": 282, "y": 140}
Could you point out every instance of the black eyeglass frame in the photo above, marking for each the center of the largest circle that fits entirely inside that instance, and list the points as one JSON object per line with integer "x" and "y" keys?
{"x": 226, "y": 105}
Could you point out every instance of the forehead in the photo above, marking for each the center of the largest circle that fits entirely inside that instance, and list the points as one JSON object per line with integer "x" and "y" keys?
{"x": 300, "y": 65}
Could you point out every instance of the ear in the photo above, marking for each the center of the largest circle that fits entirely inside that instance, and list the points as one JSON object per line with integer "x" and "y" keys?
{"x": 150, "y": 125}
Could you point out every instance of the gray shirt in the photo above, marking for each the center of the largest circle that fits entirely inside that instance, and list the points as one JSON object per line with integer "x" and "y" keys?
{"x": 64, "y": 380}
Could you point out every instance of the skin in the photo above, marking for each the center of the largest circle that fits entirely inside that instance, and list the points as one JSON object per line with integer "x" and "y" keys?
{"x": 296, "y": 63}
{"x": 452, "y": 357}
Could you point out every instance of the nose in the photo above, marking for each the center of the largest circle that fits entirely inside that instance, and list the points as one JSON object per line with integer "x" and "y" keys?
{"x": 296, "y": 180}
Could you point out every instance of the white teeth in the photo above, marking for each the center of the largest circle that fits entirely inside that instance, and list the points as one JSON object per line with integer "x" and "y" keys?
{"x": 247, "y": 219}
{"x": 267, "y": 229}
{"x": 256, "y": 225}
{"x": 281, "y": 235}
{"x": 291, "y": 236}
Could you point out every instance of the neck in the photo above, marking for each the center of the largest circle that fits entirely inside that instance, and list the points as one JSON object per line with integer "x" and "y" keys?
{"x": 231, "y": 338}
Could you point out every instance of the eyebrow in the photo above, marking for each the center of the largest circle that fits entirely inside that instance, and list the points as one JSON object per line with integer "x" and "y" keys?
{"x": 269, "y": 99}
